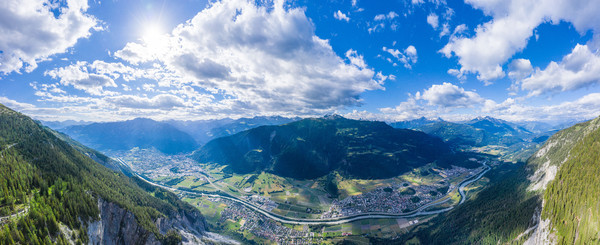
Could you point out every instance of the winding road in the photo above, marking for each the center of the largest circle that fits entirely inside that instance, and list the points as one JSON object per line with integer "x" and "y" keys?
{"x": 330, "y": 221}
{"x": 5, "y": 219}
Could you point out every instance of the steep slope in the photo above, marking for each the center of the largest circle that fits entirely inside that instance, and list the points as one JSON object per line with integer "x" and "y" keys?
{"x": 93, "y": 154}
{"x": 553, "y": 199}
{"x": 311, "y": 148}
{"x": 140, "y": 132}
{"x": 56, "y": 190}
{"x": 568, "y": 175}
{"x": 496, "y": 215}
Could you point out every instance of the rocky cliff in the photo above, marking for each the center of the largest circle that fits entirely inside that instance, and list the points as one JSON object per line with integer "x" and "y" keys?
{"x": 119, "y": 226}
{"x": 547, "y": 163}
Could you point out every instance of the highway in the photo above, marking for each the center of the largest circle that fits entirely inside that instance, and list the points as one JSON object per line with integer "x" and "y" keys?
{"x": 329, "y": 221}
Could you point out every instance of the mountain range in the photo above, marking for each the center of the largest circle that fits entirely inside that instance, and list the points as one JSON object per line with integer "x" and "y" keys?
{"x": 139, "y": 132}
{"x": 314, "y": 147}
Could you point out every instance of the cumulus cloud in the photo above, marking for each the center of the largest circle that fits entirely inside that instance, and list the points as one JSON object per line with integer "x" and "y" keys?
{"x": 406, "y": 110}
{"x": 513, "y": 23}
{"x": 433, "y": 20}
{"x": 449, "y": 95}
{"x": 408, "y": 56}
{"x": 77, "y": 75}
{"x": 262, "y": 58}
{"x": 519, "y": 69}
{"x": 584, "y": 108}
{"x": 436, "y": 101}
{"x": 341, "y": 16}
{"x": 580, "y": 68}
{"x": 453, "y": 103}
{"x": 31, "y": 32}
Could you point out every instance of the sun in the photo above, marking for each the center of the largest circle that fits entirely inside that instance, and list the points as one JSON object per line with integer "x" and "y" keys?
{"x": 154, "y": 36}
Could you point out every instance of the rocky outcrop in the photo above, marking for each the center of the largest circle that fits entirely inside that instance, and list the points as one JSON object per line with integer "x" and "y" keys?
{"x": 546, "y": 162}
{"x": 117, "y": 225}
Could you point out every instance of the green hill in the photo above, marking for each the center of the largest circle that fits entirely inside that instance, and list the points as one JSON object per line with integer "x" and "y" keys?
{"x": 50, "y": 184}
{"x": 314, "y": 147}
{"x": 569, "y": 167}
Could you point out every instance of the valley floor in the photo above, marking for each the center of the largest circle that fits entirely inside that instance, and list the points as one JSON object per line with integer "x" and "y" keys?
{"x": 266, "y": 208}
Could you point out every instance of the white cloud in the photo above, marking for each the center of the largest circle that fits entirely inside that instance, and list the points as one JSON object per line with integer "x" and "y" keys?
{"x": 356, "y": 59}
{"x": 519, "y": 69}
{"x": 15, "y": 105}
{"x": 78, "y": 76}
{"x": 584, "y": 108}
{"x": 31, "y": 33}
{"x": 161, "y": 101}
{"x": 341, "y": 16}
{"x": 449, "y": 95}
{"x": 433, "y": 20}
{"x": 260, "y": 58}
{"x": 445, "y": 30}
{"x": 513, "y": 23}
{"x": 408, "y": 56}
{"x": 578, "y": 69}
{"x": 440, "y": 100}
{"x": 407, "y": 110}
{"x": 453, "y": 103}
{"x": 380, "y": 20}
{"x": 389, "y": 16}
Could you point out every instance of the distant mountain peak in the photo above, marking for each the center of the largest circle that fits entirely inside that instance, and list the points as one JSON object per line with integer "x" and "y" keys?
{"x": 142, "y": 119}
{"x": 333, "y": 117}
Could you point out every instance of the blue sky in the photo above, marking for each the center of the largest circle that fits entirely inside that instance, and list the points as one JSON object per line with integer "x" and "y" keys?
{"x": 378, "y": 60}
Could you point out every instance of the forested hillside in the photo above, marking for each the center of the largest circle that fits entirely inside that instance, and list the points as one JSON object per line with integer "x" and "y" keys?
{"x": 311, "y": 148}
{"x": 497, "y": 215}
{"x": 48, "y": 183}
{"x": 571, "y": 200}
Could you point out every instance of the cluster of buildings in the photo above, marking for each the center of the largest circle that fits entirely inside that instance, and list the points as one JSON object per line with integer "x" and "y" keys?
{"x": 396, "y": 198}
{"x": 262, "y": 202}
{"x": 264, "y": 227}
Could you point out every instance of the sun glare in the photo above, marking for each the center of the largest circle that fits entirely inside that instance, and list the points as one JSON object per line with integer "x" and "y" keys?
{"x": 154, "y": 36}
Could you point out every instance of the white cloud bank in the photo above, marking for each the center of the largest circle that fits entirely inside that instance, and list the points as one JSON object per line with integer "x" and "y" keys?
{"x": 233, "y": 58}
{"x": 30, "y": 32}
{"x": 453, "y": 103}
{"x": 580, "y": 68}
{"x": 513, "y": 23}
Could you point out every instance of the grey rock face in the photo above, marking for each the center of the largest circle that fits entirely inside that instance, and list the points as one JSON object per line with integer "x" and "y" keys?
{"x": 119, "y": 226}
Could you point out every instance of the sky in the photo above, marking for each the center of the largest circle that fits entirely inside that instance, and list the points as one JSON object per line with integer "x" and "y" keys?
{"x": 112, "y": 60}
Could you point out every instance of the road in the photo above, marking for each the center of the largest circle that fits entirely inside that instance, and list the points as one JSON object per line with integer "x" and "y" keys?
{"x": 330, "y": 221}
{"x": 5, "y": 219}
